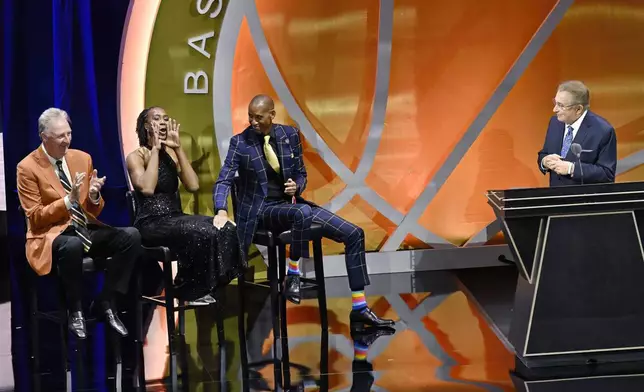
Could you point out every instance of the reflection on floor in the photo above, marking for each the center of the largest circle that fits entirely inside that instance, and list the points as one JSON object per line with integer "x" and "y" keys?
{"x": 445, "y": 340}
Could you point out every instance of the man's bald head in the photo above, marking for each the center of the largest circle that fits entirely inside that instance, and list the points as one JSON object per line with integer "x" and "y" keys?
{"x": 261, "y": 111}
{"x": 262, "y": 102}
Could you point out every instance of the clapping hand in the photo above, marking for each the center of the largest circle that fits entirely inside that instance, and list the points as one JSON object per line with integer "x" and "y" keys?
{"x": 95, "y": 185}
{"x": 74, "y": 194}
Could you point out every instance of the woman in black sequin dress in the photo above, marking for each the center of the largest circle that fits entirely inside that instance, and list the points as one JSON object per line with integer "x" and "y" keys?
{"x": 208, "y": 257}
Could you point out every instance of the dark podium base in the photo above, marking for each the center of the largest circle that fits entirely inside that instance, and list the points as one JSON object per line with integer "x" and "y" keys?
{"x": 622, "y": 377}
{"x": 586, "y": 299}
{"x": 597, "y": 358}
{"x": 578, "y": 249}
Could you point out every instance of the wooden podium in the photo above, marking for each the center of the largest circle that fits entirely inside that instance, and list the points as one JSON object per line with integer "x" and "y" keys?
{"x": 580, "y": 295}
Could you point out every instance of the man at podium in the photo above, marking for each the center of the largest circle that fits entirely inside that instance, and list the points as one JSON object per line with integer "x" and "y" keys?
{"x": 580, "y": 146}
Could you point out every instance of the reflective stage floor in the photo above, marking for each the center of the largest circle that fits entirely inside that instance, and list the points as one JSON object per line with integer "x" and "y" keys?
{"x": 446, "y": 339}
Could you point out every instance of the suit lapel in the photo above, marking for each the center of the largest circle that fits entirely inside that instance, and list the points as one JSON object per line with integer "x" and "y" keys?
{"x": 559, "y": 132}
{"x": 283, "y": 151}
{"x": 49, "y": 173}
{"x": 75, "y": 166}
{"x": 584, "y": 130}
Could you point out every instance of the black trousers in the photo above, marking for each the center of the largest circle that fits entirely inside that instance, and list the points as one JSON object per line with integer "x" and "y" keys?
{"x": 123, "y": 245}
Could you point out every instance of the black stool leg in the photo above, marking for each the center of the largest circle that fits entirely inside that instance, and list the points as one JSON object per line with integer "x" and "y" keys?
{"x": 33, "y": 333}
{"x": 182, "y": 319}
{"x": 184, "y": 355}
{"x": 324, "y": 360}
{"x": 139, "y": 377}
{"x": 64, "y": 340}
{"x": 79, "y": 379}
{"x": 319, "y": 277}
{"x": 219, "y": 317}
{"x": 283, "y": 320}
{"x": 241, "y": 330}
{"x": 169, "y": 310}
{"x": 273, "y": 280}
{"x": 118, "y": 361}
{"x": 114, "y": 356}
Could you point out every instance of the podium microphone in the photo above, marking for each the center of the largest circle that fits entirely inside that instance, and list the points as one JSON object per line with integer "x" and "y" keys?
{"x": 575, "y": 148}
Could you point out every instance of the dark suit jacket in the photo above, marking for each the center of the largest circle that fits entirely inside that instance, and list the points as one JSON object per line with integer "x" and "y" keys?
{"x": 245, "y": 155}
{"x": 596, "y": 134}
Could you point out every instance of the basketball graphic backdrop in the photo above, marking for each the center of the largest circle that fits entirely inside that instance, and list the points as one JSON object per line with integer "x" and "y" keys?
{"x": 410, "y": 110}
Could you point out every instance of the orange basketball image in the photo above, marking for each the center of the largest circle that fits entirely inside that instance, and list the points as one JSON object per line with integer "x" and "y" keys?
{"x": 410, "y": 110}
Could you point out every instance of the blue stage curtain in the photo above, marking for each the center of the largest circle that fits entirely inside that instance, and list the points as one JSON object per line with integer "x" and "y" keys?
{"x": 59, "y": 53}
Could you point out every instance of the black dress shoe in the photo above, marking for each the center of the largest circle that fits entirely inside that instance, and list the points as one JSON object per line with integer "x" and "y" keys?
{"x": 360, "y": 318}
{"x": 113, "y": 320}
{"x": 103, "y": 312}
{"x": 76, "y": 324}
{"x": 367, "y": 336}
{"x": 292, "y": 289}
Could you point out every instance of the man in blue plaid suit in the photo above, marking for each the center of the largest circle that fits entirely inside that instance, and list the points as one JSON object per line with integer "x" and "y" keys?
{"x": 268, "y": 158}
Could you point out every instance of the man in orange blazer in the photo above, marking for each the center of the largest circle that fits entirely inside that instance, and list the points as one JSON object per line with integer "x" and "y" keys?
{"x": 59, "y": 191}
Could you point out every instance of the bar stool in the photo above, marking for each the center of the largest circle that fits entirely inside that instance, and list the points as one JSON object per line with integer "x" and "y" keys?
{"x": 60, "y": 317}
{"x": 163, "y": 254}
{"x": 276, "y": 275}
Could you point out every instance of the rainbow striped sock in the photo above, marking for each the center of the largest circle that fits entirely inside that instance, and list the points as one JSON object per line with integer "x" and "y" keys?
{"x": 360, "y": 351}
{"x": 358, "y": 300}
{"x": 293, "y": 267}
{"x": 310, "y": 385}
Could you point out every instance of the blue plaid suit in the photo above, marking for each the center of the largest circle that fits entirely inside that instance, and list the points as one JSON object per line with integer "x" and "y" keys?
{"x": 245, "y": 156}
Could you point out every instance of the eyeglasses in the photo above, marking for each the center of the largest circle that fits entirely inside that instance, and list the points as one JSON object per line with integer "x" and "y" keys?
{"x": 560, "y": 105}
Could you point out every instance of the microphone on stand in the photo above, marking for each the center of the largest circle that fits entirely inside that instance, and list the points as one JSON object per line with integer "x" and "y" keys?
{"x": 575, "y": 148}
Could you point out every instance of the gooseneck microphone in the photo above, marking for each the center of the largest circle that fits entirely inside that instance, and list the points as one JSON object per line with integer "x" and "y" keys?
{"x": 576, "y": 149}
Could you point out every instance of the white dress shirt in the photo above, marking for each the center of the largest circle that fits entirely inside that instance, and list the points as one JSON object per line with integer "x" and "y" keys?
{"x": 53, "y": 161}
{"x": 575, "y": 128}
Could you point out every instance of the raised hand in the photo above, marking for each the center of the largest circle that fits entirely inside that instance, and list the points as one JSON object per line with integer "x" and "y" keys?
{"x": 74, "y": 194}
{"x": 95, "y": 184}
{"x": 172, "y": 139}
{"x": 153, "y": 136}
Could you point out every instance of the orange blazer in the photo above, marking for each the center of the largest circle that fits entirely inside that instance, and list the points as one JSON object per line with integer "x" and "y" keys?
{"x": 42, "y": 198}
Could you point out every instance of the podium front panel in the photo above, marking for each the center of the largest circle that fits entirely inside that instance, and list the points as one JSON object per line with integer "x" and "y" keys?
{"x": 589, "y": 291}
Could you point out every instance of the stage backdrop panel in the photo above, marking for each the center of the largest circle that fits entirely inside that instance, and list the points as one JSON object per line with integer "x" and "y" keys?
{"x": 6, "y": 377}
{"x": 409, "y": 109}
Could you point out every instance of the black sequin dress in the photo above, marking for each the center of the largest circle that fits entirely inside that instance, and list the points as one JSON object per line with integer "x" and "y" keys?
{"x": 208, "y": 257}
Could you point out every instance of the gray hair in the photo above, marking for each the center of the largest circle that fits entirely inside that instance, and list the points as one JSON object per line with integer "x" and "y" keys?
{"x": 50, "y": 115}
{"x": 578, "y": 90}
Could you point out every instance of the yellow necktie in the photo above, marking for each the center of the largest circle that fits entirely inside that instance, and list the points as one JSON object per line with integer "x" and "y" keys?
{"x": 271, "y": 157}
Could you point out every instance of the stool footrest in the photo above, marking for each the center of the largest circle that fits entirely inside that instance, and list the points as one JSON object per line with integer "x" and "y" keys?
{"x": 160, "y": 301}
{"x": 307, "y": 284}
{"x": 51, "y": 316}
{"x": 54, "y": 316}
{"x": 263, "y": 283}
